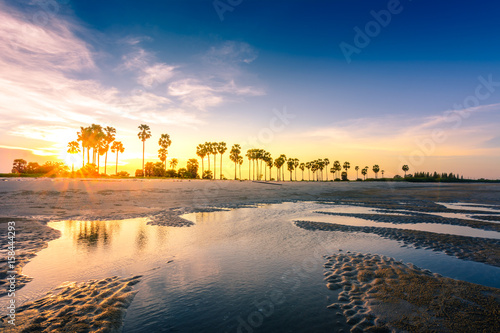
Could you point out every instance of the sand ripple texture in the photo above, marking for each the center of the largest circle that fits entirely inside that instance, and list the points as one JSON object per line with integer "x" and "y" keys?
{"x": 483, "y": 250}
{"x": 379, "y": 294}
{"x": 92, "y": 306}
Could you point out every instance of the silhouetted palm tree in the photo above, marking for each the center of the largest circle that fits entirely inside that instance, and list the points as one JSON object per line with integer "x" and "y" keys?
{"x": 143, "y": 135}
{"x": 234, "y": 155}
{"x": 364, "y": 172}
{"x": 308, "y": 166}
{"x": 173, "y": 163}
{"x": 302, "y": 166}
{"x": 337, "y": 168}
{"x": 347, "y": 166}
{"x": 356, "y": 168}
{"x": 221, "y": 148}
{"x": 290, "y": 164}
{"x": 118, "y": 148}
{"x": 83, "y": 137}
{"x": 208, "y": 150}
{"x": 164, "y": 142}
{"x": 327, "y": 163}
{"x": 382, "y": 173}
{"x": 201, "y": 151}
{"x": 269, "y": 162}
{"x": 405, "y": 169}
{"x": 240, "y": 162}
{"x": 249, "y": 156}
{"x": 109, "y": 138}
{"x": 376, "y": 169}
{"x": 73, "y": 148}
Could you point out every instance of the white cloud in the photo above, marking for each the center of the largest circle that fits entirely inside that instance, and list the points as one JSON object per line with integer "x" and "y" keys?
{"x": 231, "y": 52}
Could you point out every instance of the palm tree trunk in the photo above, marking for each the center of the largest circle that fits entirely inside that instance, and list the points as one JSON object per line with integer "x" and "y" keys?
{"x": 83, "y": 156}
{"x": 215, "y": 168}
{"x": 143, "y": 148}
{"x": 249, "y": 169}
{"x": 105, "y": 162}
{"x": 208, "y": 158}
{"x": 116, "y": 162}
{"x": 220, "y": 166}
{"x": 88, "y": 155}
{"x": 234, "y": 170}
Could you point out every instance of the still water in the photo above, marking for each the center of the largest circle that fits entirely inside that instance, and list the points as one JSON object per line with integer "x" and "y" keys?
{"x": 238, "y": 270}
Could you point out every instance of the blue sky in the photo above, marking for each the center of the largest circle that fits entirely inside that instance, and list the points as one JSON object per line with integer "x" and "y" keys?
{"x": 178, "y": 67}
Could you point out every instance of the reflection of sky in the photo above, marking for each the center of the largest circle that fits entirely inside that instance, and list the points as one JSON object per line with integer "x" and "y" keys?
{"x": 209, "y": 274}
{"x": 177, "y": 67}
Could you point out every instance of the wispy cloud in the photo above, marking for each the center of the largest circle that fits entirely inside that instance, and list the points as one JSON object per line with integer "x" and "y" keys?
{"x": 230, "y": 53}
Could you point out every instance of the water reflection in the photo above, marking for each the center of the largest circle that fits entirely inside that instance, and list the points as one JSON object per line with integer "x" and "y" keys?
{"x": 92, "y": 234}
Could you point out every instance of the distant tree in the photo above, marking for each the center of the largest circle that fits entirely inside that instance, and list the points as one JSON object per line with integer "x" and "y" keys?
{"x": 149, "y": 169}
{"x": 356, "y": 168}
{"x": 117, "y": 147}
{"x": 109, "y": 138}
{"x": 382, "y": 173}
{"x": 19, "y": 166}
{"x": 376, "y": 169}
{"x": 207, "y": 174}
{"x": 33, "y": 167}
{"x": 344, "y": 175}
{"x": 192, "y": 168}
{"x": 308, "y": 166}
{"x": 347, "y": 165}
{"x": 143, "y": 135}
{"x": 364, "y": 172}
{"x": 234, "y": 155}
{"x": 302, "y": 166}
{"x": 405, "y": 169}
{"x": 173, "y": 163}
{"x": 221, "y": 149}
{"x": 164, "y": 142}
{"x": 139, "y": 173}
{"x": 240, "y": 162}
{"x": 182, "y": 173}
{"x": 337, "y": 167}
{"x": 291, "y": 166}
{"x": 73, "y": 148}
{"x": 201, "y": 151}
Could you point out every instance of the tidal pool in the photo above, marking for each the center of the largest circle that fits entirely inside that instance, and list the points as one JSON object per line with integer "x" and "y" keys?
{"x": 233, "y": 271}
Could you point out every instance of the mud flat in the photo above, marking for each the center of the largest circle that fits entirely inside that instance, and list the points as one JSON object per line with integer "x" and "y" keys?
{"x": 483, "y": 250}
{"x": 419, "y": 218}
{"x": 379, "y": 294}
{"x": 31, "y": 236}
{"x": 92, "y": 306}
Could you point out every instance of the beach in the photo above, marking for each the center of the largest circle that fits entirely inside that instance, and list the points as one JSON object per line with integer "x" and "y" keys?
{"x": 32, "y": 203}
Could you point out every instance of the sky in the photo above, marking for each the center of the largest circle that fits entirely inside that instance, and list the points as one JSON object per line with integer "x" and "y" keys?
{"x": 369, "y": 82}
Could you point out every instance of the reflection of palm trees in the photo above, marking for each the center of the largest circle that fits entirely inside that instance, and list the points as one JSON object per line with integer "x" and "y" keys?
{"x": 141, "y": 239}
{"x": 91, "y": 234}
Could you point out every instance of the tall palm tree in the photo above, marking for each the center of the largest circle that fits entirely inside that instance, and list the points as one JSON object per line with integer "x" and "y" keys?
{"x": 221, "y": 149}
{"x": 364, "y": 172}
{"x": 308, "y": 166}
{"x": 143, "y": 135}
{"x": 376, "y": 169}
{"x": 109, "y": 138}
{"x": 347, "y": 166}
{"x": 240, "y": 162}
{"x": 117, "y": 147}
{"x": 83, "y": 137}
{"x": 290, "y": 164}
{"x": 102, "y": 148}
{"x": 405, "y": 169}
{"x": 269, "y": 163}
{"x": 282, "y": 162}
{"x": 295, "y": 166}
{"x": 208, "y": 149}
{"x": 95, "y": 137}
{"x": 277, "y": 164}
{"x": 73, "y": 148}
{"x": 234, "y": 155}
{"x": 214, "y": 151}
{"x": 382, "y": 173}
{"x": 337, "y": 168}
{"x": 173, "y": 163}
{"x": 327, "y": 163}
{"x": 164, "y": 142}
{"x": 249, "y": 156}
{"x": 356, "y": 168}
{"x": 201, "y": 151}
{"x": 302, "y": 166}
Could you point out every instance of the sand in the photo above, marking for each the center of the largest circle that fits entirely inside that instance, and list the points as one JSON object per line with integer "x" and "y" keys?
{"x": 379, "y": 294}
{"x": 31, "y": 237}
{"x": 485, "y": 250}
{"x": 33, "y": 202}
{"x": 92, "y": 306}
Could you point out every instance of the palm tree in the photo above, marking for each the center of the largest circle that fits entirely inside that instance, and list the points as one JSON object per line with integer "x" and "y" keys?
{"x": 214, "y": 151}
{"x": 118, "y": 148}
{"x": 364, "y": 172}
{"x": 382, "y": 173}
{"x": 73, "y": 148}
{"x": 405, "y": 169}
{"x": 83, "y": 137}
{"x": 283, "y": 159}
{"x": 376, "y": 169}
{"x": 95, "y": 136}
{"x": 308, "y": 166}
{"x": 295, "y": 165}
{"x": 291, "y": 165}
{"x": 356, "y": 168}
{"x": 173, "y": 163}
{"x": 278, "y": 165}
{"x": 164, "y": 142}
{"x": 234, "y": 155}
{"x": 102, "y": 148}
{"x": 143, "y": 135}
{"x": 110, "y": 137}
{"x": 208, "y": 150}
{"x": 221, "y": 148}
{"x": 269, "y": 163}
{"x": 327, "y": 163}
{"x": 201, "y": 151}
{"x": 302, "y": 166}
{"x": 347, "y": 166}
{"x": 337, "y": 168}
{"x": 249, "y": 156}
{"x": 240, "y": 162}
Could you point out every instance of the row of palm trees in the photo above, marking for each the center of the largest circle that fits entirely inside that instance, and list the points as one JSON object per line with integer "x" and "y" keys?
{"x": 98, "y": 140}
{"x": 211, "y": 148}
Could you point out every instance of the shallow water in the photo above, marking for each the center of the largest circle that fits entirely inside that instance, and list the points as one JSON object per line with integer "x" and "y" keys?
{"x": 246, "y": 268}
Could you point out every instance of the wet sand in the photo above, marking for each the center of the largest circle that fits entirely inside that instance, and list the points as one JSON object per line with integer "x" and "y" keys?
{"x": 34, "y": 202}
{"x": 379, "y": 294}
